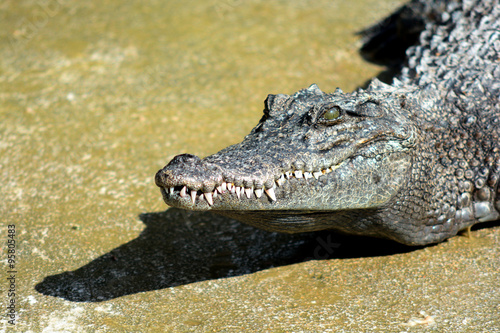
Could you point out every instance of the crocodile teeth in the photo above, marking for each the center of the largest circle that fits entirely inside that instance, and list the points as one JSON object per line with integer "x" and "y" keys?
{"x": 183, "y": 192}
{"x": 208, "y": 196}
{"x": 193, "y": 196}
{"x": 270, "y": 193}
{"x": 241, "y": 191}
{"x": 281, "y": 180}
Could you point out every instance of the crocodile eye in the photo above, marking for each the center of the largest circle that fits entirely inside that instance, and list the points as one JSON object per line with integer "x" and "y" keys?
{"x": 331, "y": 113}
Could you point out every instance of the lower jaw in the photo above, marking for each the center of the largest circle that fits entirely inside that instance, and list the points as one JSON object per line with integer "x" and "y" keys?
{"x": 296, "y": 194}
{"x": 223, "y": 201}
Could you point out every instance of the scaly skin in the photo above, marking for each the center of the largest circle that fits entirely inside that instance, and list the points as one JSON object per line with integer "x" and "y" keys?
{"x": 416, "y": 161}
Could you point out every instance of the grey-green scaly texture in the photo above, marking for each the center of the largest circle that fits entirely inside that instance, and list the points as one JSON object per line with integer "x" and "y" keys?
{"x": 415, "y": 161}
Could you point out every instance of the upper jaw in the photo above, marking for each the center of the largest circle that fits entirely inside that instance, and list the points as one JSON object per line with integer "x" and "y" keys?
{"x": 338, "y": 187}
{"x": 231, "y": 192}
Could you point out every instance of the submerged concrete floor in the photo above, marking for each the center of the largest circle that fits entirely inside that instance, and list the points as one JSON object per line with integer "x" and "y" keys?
{"x": 95, "y": 97}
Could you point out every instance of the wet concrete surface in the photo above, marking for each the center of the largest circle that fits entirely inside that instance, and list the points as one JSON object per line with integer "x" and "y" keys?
{"x": 96, "y": 97}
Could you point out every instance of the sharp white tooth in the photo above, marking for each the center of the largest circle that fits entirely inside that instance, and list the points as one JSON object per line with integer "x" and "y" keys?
{"x": 248, "y": 192}
{"x": 183, "y": 192}
{"x": 201, "y": 197}
{"x": 288, "y": 174}
{"x": 270, "y": 193}
{"x": 208, "y": 196}
{"x": 230, "y": 186}
{"x": 215, "y": 194}
{"x": 193, "y": 196}
{"x": 317, "y": 174}
{"x": 237, "y": 191}
{"x": 328, "y": 170}
{"x": 298, "y": 174}
{"x": 219, "y": 188}
{"x": 223, "y": 186}
{"x": 258, "y": 192}
{"x": 170, "y": 190}
{"x": 307, "y": 175}
{"x": 281, "y": 180}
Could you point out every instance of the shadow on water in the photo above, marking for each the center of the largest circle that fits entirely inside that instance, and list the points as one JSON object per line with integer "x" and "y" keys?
{"x": 179, "y": 247}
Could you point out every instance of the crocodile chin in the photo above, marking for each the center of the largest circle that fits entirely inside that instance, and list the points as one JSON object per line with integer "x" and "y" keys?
{"x": 310, "y": 153}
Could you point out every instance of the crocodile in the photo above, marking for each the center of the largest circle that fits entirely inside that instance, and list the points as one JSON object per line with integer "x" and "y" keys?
{"x": 415, "y": 160}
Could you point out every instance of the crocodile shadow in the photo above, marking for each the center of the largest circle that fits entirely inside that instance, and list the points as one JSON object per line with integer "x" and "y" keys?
{"x": 179, "y": 247}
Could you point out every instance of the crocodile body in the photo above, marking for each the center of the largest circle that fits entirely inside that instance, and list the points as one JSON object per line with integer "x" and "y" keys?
{"x": 415, "y": 161}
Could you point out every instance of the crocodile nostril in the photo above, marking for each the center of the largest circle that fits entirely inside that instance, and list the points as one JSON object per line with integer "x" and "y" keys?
{"x": 185, "y": 159}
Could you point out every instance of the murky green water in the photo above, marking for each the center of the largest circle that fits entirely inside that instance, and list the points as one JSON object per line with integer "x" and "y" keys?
{"x": 95, "y": 97}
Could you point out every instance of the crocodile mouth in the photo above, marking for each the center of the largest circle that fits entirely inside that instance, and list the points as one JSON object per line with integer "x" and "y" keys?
{"x": 227, "y": 192}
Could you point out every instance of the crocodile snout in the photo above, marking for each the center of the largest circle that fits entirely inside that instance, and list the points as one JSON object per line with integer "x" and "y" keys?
{"x": 180, "y": 162}
{"x": 189, "y": 170}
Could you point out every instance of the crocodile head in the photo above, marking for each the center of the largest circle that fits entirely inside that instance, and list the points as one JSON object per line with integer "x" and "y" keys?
{"x": 311, "y": 155}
